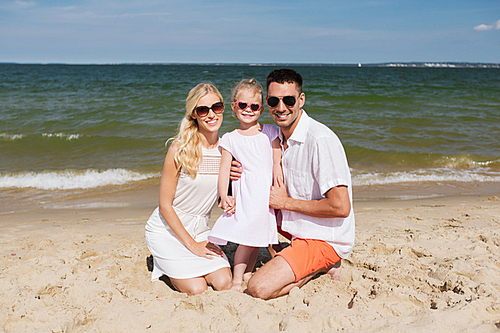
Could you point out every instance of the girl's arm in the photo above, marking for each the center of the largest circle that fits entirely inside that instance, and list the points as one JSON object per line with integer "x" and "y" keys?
{"x": 227, "y": 202}
{"x": 277, "y": 171}
{"x": 168, "y": 185}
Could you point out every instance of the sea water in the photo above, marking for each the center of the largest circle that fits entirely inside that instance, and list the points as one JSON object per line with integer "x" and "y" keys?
{"x": 84, "y": 127}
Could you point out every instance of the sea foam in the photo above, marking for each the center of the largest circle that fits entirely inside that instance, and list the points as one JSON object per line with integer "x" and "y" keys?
{"x": 427, "y": 175}
{"x": 72, "y": 179}
{"x": 63, "y": 136}
{"x": 11, "y": 137}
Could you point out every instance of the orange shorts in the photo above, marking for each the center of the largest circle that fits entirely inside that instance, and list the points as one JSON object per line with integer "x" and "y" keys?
{"x": 306, "y": 256}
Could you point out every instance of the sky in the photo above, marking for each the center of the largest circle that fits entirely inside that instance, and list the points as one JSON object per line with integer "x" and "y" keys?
{"x": 256, "y": 31}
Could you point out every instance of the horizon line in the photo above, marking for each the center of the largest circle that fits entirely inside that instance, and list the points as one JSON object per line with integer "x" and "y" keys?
{"x": 359, "y": 64}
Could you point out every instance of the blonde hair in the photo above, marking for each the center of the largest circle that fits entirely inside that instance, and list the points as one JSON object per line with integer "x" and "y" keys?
{"x": 250, "y": 84}
{"x": 189, "y": 153}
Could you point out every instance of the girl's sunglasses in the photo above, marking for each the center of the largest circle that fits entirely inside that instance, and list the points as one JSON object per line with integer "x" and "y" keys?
{"x": 289, "y": 101}
{"x": 202, "y": 110}
{"x": 254, "y": 106}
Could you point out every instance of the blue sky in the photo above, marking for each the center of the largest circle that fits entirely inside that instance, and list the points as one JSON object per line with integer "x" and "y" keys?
{"x": 258, "y": 31}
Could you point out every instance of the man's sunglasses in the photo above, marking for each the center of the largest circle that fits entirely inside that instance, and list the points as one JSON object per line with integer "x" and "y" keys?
{"x": 253, "y": 106}
{"x": 202, "y": 110}
{"x": 289, "y": 101}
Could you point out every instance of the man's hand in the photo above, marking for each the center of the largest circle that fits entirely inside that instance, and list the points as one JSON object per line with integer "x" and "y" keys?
{"x": 279, "y": 195}
{"x": 236, "y": 171}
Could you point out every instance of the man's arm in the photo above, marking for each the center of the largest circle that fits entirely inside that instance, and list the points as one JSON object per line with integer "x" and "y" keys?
{"x": 277, "y": 169}
{"x": 335, "y": 204}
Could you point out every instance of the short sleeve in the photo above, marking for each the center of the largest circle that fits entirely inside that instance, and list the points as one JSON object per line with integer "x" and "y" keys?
{"x": 330, "y": 166}
{"x": 271, "y": 132}
{"x": 225, "y": 142}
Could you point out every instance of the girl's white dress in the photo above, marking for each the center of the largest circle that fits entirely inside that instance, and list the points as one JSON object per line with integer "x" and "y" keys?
{"x": 253, "y": 223}
{"x": 193, "y": 201}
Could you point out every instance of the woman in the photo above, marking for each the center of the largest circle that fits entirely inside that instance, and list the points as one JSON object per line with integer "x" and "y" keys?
{"x": 176, "y": 232}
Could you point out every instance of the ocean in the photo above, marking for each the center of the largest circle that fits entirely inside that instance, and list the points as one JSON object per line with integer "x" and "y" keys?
{"x": 68, "y": 130}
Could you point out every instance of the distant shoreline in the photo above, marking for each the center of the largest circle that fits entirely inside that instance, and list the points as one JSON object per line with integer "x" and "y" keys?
{"x": 426, "y": 64}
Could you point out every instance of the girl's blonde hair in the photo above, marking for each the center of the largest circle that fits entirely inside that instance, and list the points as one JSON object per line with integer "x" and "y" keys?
{"x": 189, "y": 154}
{"x": 250, "y": 84}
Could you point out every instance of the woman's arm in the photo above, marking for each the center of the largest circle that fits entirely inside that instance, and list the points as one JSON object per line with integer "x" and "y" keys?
{"x": 227, "y": 202}
{"x": 168, "y": 185}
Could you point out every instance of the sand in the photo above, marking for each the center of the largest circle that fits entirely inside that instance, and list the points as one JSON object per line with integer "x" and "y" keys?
{"x": 418, "y": 265}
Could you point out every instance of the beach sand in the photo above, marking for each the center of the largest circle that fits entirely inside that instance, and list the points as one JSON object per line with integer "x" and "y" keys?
{"x": 418, "y": 265}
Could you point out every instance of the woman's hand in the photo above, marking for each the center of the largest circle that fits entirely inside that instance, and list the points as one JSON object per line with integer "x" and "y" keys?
{"x": 206, "y": 249}
{"x": 228, "y": 203}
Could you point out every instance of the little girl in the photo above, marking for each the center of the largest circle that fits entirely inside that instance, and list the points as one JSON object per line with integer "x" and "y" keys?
{"x": 257, "y": 148}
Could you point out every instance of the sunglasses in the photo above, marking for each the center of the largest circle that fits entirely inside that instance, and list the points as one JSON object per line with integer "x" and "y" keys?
{"x": 289, "y": 101}
{"x": 202, "y": 110}
{"x": 253, "y": 106}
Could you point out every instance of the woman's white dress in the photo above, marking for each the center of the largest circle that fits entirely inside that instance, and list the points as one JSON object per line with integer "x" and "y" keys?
{"x": 253, "y": 223}
{"x": 193, "y": 201}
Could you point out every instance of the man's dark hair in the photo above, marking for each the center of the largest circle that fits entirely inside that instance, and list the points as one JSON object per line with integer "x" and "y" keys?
{"x": 285, "y": 75}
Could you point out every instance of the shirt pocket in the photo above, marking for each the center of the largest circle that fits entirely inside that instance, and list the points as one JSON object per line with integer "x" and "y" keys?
{"x": 299, "y": 185}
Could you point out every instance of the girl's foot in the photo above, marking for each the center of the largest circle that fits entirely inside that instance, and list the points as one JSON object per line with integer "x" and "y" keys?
{"x": 237, "y": 287}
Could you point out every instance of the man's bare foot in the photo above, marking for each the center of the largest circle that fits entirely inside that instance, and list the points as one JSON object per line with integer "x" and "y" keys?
{"x": 335, "y": 271}
{"x": 247, "y": 276}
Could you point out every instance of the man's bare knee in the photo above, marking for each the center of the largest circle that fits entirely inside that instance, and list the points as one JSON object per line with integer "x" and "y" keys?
{"x": 269, "y": 281}
{"x": 256, "y": 289}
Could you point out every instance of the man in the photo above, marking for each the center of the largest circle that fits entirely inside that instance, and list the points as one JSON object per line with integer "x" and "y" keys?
{"x": 315, "y": 197}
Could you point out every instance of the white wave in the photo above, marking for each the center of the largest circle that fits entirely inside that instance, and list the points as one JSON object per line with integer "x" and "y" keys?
{"x": 428, "y": 175}
{"x": 11, "y": 137}
{"x": 61, "y": 136}
{"x": 465, "y": 160}
{"x": 71, "y": 179}
{"x": 64, "y": 136}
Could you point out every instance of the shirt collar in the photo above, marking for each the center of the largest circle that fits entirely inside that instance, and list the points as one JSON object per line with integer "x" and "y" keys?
{"x": 299, "y": 133}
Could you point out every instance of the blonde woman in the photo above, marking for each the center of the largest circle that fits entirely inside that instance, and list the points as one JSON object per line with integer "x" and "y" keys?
{"x": 176, "y": 232}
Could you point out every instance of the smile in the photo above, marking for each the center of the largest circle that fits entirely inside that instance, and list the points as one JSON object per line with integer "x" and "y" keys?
{"x": 282, "y": 116}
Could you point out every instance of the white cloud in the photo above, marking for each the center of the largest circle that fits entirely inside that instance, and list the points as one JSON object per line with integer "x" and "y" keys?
{"x": 13, "y": 5}
{"x": 25, "y": 4}
{"x": 484, "y": 27}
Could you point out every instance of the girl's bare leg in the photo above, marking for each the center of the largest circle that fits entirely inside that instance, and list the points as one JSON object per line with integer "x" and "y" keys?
{"x": 241, "y": 262}
{"x": 251, "y": 264}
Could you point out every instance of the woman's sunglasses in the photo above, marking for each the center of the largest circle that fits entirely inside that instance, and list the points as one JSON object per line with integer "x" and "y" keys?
{"x": 254, "y": 106}
{"x": 202, "y": 110}
{"x": 289, "y": 101}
